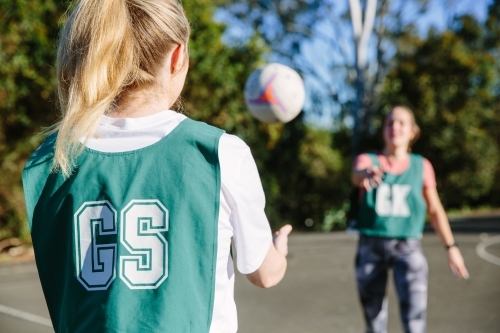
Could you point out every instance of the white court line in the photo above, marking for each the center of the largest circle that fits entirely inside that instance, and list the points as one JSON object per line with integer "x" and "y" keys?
{"x": 25, "y": 316}
{"x": 481, "y": 250}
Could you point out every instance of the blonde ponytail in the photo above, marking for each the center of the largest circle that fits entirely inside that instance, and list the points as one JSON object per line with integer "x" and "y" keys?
{"x": 107, "y": 47}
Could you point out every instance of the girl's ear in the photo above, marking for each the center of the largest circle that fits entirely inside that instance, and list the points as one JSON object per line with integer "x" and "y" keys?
{"x": 178, "y": 58}
{"x": 414, "y": 134}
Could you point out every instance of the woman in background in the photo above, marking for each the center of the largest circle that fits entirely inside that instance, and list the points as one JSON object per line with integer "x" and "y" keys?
{"x": 398, "y": 191}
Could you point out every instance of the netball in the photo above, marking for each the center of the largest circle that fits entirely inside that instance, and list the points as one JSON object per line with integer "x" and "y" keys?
{"x": 274, "y": 93}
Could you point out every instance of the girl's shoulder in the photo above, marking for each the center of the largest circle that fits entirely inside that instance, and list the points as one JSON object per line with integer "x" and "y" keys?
{"x": 421, "y": 158}
{"x": 364, "y": 160}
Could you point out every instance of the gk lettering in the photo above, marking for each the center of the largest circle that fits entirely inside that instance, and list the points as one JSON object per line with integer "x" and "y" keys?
{"x": 391, "y": 200}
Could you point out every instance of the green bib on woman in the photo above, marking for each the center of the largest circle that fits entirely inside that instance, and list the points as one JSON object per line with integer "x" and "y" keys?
{"x": 396, "y": 208}
{"x": 128, "y": 242}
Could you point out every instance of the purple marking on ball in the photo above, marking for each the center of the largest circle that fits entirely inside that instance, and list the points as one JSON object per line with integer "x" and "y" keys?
{"x": 267, "y": 96}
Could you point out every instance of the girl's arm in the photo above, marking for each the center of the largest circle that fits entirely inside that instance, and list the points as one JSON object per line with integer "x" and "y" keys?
{"x": 274, "y": 265}
{"x": 441, "y": 225}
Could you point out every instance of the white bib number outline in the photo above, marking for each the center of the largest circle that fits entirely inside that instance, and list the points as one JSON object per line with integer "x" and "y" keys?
{"x": 142, "y": 222}
{"x": 95, "y": 263}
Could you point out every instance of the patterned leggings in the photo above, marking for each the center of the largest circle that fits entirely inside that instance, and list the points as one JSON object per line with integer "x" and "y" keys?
{"x": 375, "y": 256}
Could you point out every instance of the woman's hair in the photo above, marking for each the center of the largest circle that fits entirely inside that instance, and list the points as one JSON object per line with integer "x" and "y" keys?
{"x": 105, "y": 48}
{"x": 414, "y": 124}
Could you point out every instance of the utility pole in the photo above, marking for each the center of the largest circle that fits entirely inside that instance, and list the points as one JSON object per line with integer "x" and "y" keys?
{"x": 362, "y": 26}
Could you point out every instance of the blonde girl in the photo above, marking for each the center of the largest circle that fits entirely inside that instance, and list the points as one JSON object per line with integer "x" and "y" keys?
{"x": 399, "y": 190}
{"x": 132, "y": 206}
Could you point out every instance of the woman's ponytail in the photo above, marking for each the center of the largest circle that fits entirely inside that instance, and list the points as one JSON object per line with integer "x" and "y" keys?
{"x": 106, "y": 47}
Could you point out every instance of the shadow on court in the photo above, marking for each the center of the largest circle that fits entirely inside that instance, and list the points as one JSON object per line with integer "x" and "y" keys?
{"x": 318, "y": 293}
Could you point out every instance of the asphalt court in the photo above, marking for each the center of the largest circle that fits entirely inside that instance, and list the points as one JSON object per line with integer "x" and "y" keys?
{"x": 318, "y": 293}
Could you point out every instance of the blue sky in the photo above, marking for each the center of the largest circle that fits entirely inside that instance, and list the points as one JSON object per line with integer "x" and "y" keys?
{"x": 440, "y": 9}
{"x": 324, "y": 57}
{"x": 438, "y": 17}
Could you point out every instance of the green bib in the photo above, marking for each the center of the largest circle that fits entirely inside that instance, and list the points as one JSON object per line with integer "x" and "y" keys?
{"x": 396, "y": 208}
{"x": 128, "y": 243}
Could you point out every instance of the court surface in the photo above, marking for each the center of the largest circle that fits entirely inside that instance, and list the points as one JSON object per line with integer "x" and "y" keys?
{"x": 318, "y": 293}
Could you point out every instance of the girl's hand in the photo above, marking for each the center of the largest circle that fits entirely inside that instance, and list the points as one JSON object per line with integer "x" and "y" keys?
{"x": 456, "y": 262}
{"x": 273, "y": 268}
{"x": 372, "y": 177}
{"x": 280, "y": 239}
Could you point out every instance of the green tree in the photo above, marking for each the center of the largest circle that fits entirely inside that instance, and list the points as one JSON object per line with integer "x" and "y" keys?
{"x": 27, "y": 99}
{"x": 451, "y": 82}
{"x": 298, "y": 165}
{"x": 295, "y": 161}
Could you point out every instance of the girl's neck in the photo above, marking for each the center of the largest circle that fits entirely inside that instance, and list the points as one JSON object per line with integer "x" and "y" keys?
{"x": 141, "y": 103}
{"x": 395, "y": 153}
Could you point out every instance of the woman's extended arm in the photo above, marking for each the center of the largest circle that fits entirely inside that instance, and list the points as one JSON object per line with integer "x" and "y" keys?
{"x": 441, "y": 225}
{"x": 274, "y": 265}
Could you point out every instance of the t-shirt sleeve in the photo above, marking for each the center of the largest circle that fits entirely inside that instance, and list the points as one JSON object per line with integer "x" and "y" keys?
{"x": 362, "y": 162}
{"x": 429, "y": 175}
{"x": 242, "y": 189}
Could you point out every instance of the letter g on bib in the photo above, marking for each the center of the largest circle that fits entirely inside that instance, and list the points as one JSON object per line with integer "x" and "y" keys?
{"x": 391, "y": 200}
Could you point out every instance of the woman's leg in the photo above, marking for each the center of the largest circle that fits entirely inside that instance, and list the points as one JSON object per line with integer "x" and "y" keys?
{"x": 410, "y": 277}
{"x": 371, "y": 275}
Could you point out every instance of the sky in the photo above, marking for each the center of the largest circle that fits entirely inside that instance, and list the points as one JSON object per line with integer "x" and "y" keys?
{"x": 438, "y": 17}
{"x": 324, "y": 57}
{"x": 439, "y": 8}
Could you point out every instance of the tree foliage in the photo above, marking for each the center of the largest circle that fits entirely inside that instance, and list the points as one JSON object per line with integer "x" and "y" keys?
{"x": 318, "y": 39}
{"x": 213, "y": 93}
{"x": 27, "y": 49}
{"x": 451, "y": 81}
{"x": 296, "y": 162}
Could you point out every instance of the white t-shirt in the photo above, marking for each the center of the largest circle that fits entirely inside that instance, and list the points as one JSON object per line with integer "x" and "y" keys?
{"x": 241, "y": 214}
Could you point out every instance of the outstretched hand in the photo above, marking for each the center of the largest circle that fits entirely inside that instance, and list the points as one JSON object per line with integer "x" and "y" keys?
{"x": 457, "y": 264}
{"x": 372, "y": 177}
{"x": 273, "y": 268}
{"x": 280, "y": 239}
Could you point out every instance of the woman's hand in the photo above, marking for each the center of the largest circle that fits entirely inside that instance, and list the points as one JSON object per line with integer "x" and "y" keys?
{"x": 457, "y": 264}
{"x": 371, "y": 177}
{"x": 280, "y": 239}
{"x": 273, "y": 268}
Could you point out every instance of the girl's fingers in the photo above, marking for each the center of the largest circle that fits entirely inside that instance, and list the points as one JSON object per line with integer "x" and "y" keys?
{"x": 377, "y": 179}
{"x": 281, "y": 239}
{"x": 377, "y": 171}
{"x": 373, "y": 178}
{"x": 457, "y": 263}
{"x": 285, "y": 230}
{"x": 366, "y": 184}
{"x": 462, "y": 272}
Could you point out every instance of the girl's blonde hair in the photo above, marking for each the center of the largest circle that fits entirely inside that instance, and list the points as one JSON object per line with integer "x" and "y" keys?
{"x": 107, "y": 47}
{"x": 414, "y": 124}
